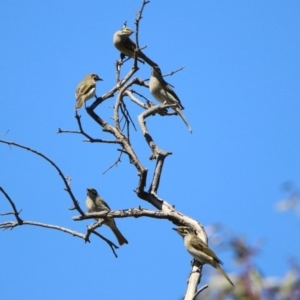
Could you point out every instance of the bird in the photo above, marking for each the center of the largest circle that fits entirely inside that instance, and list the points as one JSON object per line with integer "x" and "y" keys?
{"x": 199, "y": 250}
{"x": 126, "y": 46}
{"x": 164, "y": 93}
{"x": 86, "y": 89}
{"x": 94, "y": 203}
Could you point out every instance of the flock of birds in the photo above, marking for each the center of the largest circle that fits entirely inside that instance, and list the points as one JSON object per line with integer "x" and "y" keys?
{"x": 158, "y": 87}
{"x": 164, "y": 93}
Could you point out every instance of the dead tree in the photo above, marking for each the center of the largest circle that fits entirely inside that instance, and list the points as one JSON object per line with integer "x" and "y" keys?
{"x": 119, "y": 130}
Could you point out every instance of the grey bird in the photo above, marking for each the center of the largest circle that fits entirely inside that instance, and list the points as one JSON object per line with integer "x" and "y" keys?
{"x": 95, "y": 203}
{"x": 86, "y": 89}
{"x": 199, "y": 250}
{"x": 163, "y": 93}
{"x": 126, "y": 46}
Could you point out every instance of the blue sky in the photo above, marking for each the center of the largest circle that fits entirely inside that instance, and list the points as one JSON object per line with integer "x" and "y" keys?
{"x": 240, "y": 89}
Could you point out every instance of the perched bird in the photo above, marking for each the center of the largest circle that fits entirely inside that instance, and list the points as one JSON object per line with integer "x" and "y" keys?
{"x": 163, "y": 93}
{"x": 199, "y": 250}
{"x": 126, "y": 46}
{"x": 95, "y": 203}
{"x": 86, "y": 89}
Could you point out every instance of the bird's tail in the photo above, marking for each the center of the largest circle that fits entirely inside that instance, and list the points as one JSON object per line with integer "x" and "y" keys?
{"x": 121, "y": 239}
{"x": 147, "y": 59}
{"x": 79, "y": 103}
{"x": 224, "y": 274}
{"x": 177, "y": 109}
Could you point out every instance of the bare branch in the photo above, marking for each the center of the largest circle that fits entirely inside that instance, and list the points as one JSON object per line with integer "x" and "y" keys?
{"x": 15, "y": 212}
{"x": 193, "y": 281}
{"x": 199, "y": 291}
{"x": 173, "y": 72}
{"x": 85, "y": 237}
{"x": 81, "y": 131}
{"x": 131, "y": 212}
{"x": 62, "y": 176}
{"x": 11, "y": 225}
{"x": 118, "y": 104}
{"x": 92, "y": 229}
{"x": 165, "y": 211}
{"x": 135, "y": 100}
{"x": 170, "y": 74}
{"x": 110, "y": 243}
{"x": 137, "y": 22}
{"x": 114, "y": 164}
{"x": 126, "y": 115}
{"x": 170, "y": 214}
{"x": 4, "y": 132}
{"x": 151, "y": 112}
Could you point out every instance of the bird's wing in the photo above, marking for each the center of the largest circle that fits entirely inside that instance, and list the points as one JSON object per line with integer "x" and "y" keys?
{"x": 167, "y": 89}
{"x": 105, "y": 204}
{"x": 130, "y": 44}
{"x": 84, "y": 89}
{"x": 201, "y": 246}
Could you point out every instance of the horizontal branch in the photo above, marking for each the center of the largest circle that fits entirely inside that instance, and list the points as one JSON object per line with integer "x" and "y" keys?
{"x": 81, "y": 131}
{"x": 131, "y": 212}
{"x": 12, "y": 224}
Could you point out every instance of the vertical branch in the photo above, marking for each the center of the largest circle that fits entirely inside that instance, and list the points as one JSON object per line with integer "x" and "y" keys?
{"x": 137, "y": 23}
{"x": 193, "y": 281}
{"x": 157, "y": 173}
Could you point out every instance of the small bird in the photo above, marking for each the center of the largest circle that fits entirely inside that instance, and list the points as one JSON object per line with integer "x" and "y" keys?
{"x": 95, "y": 203}
{"x": 163, "y": 93}
{"x": 199, "y": 250}
{"x": 126, "y": 46}
{"x": 86, "y": 89}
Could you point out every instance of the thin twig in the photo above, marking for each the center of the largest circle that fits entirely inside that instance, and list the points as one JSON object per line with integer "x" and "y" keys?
{"x": 127, "y": 115}
{"x": 110, "y": 243}
{"x": 11, "y": 225}
{"x": 15, "y": 213}
{"x": 127, "y": 121}
{"x": 170, "y": 74}
{"x": 137, "y": 22}
{"x": 81, "y": 131}
{"x": 92, "y": 229}
{"x": 200, "y": 290}
{"x": 142, "y": 96}
{"x": 173, "y": 72}
{"x": 5, "y": 132}
{"x": 62, "y": 176}
{"x": 114, "y": 164}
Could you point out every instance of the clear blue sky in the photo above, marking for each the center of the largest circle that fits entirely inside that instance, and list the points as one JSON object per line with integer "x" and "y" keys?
{"x": 240, "y": 89}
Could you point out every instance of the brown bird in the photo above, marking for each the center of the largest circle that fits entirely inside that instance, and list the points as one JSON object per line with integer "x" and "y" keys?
{"x": 95, "y": 203}
{"x": 86, "y": 89}
{"x": 126, "y": 46}
{"x": 163, "y": 93}
{"x": 199, "y": 250}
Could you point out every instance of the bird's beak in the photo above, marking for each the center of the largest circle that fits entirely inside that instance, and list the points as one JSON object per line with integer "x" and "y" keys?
{"x": 99, "y": 79}
{"x": 175, "y": 229}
